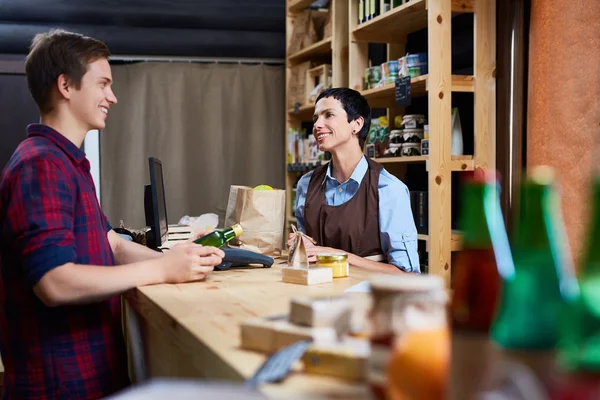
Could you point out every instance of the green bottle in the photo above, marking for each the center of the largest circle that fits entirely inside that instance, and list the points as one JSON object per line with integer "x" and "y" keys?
{"x": 220, "y": 238}
{"x": 532, "y": 305}
{"x": 475, "y": 278}
{"x": 579, "y": 345}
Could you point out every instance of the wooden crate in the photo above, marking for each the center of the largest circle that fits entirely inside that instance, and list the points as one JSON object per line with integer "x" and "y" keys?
{"x": 314, "y": 77}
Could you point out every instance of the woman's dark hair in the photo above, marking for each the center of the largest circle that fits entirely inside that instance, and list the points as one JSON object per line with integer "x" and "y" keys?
{"x": 355, "y": 106}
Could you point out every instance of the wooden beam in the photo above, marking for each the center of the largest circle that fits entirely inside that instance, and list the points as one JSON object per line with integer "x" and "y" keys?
{"x": 339, "y": 44}
{"x": 485, "y": 83}
{"x": 439, "y": 15}
{"x": 358, "y": 53}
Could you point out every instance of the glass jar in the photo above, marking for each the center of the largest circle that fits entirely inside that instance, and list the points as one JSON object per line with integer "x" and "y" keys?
{"x": 338, "y": 262}
{"x": 410, "y": 338}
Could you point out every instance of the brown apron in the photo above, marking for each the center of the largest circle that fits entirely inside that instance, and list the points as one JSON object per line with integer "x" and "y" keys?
{"x": 352, "y": 226}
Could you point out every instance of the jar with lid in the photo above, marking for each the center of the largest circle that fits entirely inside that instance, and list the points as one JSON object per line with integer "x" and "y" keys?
{"x": 338, "y": 262}
{"x": 410, "y": 338}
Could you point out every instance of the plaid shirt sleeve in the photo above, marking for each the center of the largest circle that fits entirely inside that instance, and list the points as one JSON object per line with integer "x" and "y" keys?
{"x": 41, "y": 215}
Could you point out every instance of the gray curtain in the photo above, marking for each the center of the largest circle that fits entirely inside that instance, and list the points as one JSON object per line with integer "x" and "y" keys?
{"x": 211, "y": 125}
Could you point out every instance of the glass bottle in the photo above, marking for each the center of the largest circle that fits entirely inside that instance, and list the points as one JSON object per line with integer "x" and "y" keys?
{"x": 220, "y": 238}
{"x": 475, "y": 278}
{"x": 531, "y": 303}
{"x": 579, "y": 345}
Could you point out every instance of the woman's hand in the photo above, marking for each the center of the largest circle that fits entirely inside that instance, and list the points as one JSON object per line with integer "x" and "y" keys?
{"x": 313, "y": 250}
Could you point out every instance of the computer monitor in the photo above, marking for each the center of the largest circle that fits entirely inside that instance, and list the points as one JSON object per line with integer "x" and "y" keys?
{"x": 155, "y": 206}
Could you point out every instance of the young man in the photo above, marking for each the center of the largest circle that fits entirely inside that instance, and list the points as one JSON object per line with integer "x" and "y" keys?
{"x": 352, "y": 204}
{"x": 60, "y": 327}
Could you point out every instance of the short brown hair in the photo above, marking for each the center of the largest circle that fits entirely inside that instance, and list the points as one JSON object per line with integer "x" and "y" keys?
{"x": 59, "y": 52}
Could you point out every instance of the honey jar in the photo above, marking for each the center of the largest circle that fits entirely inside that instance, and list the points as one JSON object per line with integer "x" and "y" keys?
{"x": 338, "y": 262}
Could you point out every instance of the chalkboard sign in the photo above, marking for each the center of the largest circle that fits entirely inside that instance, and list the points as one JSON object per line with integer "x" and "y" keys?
{"x": 403, "y": 91}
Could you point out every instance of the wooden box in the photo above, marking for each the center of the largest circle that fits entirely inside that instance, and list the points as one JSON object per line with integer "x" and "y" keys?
{"x": 306, "y": 276}
{"x": 297, "y": 84}
{"x": 347, "y": 359}
{"x": 268, "y": 335}
{"x": 317, "y": 80}
{"x": 334, "y": 312}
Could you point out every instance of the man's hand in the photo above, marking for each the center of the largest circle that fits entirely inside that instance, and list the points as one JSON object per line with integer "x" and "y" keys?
{"x": 189, "y": 262}
{"x": 198, "y": 234}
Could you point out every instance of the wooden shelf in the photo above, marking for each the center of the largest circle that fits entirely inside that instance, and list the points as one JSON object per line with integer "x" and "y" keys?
{"x": 412, "y": 159}
{"x": 316, "y": 49}
{"x": 455, "y": 241}
{"x": 385, "y": 96}
{"x": 395, "y": 24}
{"x": 299, "y": 5}
{"x": 305, "y": 112}
{"x": 458, "y": 163}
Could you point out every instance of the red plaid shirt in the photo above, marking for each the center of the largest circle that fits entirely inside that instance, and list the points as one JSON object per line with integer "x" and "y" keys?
{"x": 50, "y": 216}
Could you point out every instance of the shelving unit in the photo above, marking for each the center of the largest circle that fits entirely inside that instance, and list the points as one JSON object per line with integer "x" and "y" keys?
{"x": 347, "y": 52}
{"x": 392, "y": 28}
{"x": 331, "y": 50}
{"x": 321, "y": 48}
{"x": 383, "y": 97}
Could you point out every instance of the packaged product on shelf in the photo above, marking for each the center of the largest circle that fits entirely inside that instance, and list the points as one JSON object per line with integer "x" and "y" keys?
{"x": 372, "y": 77}
{"x": 389, "y": 72}
{"x": 412, "y": 135}
{"x": 386, "y": 6}
{"x": 413, "y": 121}
{"x": 395, "y": 143}
{"x": 411, "y": 149}
{"x": 424, "y": 147}
{"x": 306, "y": 151}
{"x": 418, "y": 62}
{"x": 379, "y": 135}
{"x": 457, "y": 136}
{"x": 402, "y": 67}
{"x": 291, "y": 154}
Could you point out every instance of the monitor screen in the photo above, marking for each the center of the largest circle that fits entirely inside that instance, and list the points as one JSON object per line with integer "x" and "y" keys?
{"x": 156, "y": 205}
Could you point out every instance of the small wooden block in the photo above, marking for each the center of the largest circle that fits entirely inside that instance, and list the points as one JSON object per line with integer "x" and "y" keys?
{"x": 347, "y": 359}
{"x": 307, "y": 276}
{"x": 271, "y": 334}
{"x": 334, "y": 312}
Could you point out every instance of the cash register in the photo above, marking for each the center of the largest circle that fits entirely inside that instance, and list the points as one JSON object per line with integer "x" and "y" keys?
{"x": 161, "y": 236}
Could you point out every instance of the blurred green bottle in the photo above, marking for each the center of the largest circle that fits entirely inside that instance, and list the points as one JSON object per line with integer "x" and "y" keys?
{"x": 579, "y": 346}
{"x": 475, "y": 278}
{"x": 532, "y": 304}
{"x": 220, "y": 238}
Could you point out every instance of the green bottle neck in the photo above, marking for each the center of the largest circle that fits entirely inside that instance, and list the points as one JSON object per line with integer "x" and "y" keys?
{"x": 591, "y": 265}
{"x": 530, "y": 227}
{"x": 228, "y": 234}
{"x": 473, "y": 223}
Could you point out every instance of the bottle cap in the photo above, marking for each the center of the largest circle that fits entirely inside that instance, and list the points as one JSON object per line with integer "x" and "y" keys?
{"x": 542, "y": 175}
{"x": 482, "y": 176}
{"x": 237, "y": 229}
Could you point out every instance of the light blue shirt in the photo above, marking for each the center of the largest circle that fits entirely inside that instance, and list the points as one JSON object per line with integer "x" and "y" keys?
{"x": 397, "y": 231}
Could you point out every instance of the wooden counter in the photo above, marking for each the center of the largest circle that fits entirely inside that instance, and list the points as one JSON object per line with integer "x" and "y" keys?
{"x": 192, "y": 330}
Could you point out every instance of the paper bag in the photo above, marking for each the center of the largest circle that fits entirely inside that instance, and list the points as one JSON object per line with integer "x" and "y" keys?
{"x": 298, "y": 256}
{"x": 261, "y": 213}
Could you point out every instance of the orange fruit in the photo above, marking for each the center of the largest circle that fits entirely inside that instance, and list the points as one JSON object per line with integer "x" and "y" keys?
{"x": 419, "y": 364}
